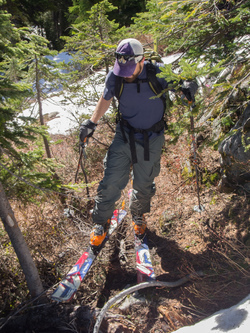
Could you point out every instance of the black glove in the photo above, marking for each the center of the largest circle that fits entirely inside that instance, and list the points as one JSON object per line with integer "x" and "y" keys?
{"x": 87, "y": 129}
{"x": 189, "y": 89}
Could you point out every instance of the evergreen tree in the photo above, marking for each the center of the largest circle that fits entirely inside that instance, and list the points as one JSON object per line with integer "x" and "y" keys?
{"x": 79, "y": 10}
{"x": 51, "y": 16}
{"x": 208, "y": 35}
{"x": 92, "y": 40}
{"x": 12, "y": 91}
{"x": 11, "y": 136}
{"x": 42, "y": 73}
{"x": 17, "y": 131}
{"x": 92, "y": 44}
{"x": 122, "y": 13}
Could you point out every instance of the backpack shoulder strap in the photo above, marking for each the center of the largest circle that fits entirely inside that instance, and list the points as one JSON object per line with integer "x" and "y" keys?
{"x": 152, "y": 79}
{"x": 153, "y": 82}
{"x": 119, "y": 85}
{"x": 156, "y": 87}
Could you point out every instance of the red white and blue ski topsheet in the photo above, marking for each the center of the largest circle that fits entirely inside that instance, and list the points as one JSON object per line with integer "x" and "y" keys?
{"x": 145, "y": 270}
{"x": 144, "y": 267}
{"x": 70, "y": 284}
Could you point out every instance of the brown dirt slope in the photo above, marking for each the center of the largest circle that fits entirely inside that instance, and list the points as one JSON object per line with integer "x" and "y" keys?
{"x": 182, "y": 240}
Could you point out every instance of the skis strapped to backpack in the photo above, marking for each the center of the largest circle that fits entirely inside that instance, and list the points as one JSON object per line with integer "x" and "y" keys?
{"x": 70, "y": 284}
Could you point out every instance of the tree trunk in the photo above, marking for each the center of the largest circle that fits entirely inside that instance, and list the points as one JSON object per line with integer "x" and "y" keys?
{"x": 38, "y": 90}
{"x": 46, "y": 143}
{"x": 10, "y": 224}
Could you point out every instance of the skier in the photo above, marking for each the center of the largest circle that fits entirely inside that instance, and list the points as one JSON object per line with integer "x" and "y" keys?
{"x": 138, "y": 140}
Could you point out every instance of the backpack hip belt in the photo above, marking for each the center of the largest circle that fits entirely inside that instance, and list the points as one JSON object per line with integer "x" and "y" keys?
{"x": 156, "y": 128}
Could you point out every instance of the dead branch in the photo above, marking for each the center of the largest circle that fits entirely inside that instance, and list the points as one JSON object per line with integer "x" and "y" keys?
{"x": 139, "y": 287}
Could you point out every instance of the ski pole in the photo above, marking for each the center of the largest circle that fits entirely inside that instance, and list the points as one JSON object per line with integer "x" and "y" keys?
{"x": 200, "y": 208}
{"x": 82, "y": 147}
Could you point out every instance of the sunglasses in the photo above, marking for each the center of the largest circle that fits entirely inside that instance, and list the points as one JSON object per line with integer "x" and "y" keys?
{"x": 123, "y": 58}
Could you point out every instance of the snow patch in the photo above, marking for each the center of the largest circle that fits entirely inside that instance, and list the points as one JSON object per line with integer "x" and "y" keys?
{"x": 234, "y": 320}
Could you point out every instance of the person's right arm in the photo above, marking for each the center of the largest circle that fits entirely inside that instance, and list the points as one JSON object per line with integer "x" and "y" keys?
{"x": 101, "y": 107}
{"x": 88, "y": 127}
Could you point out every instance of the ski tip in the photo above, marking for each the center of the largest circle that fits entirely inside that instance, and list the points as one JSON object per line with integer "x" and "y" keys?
{"x": 70, "y": 284}
{"x": 63, "y": 293}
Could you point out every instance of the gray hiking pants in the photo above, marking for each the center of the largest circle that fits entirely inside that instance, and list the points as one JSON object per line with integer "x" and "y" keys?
{"x": 117, "y": 166}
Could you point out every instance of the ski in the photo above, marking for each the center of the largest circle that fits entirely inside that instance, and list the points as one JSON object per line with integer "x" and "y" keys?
{"x": 144, "y": 267}
{"x": 70, "y": 284}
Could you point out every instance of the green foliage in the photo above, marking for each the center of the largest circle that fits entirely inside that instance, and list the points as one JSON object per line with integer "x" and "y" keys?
{"x": 209, "y": 178}
{"x": 187, "y": 174}
{"x": 28, "y": 176}
{"x": 11, "y": 91}
{"x": 213, "y": 37}
{"x": 121, "y": 13}
{"x": 245, "y": 141}
{"x": 25, "y": 62}
{"x": 93, "y": 40}
{"x": 23, "y": 171}
{"x": 226, "y": 121}
{"x": 79, "y": 10}
{"x": 51, "y": 16}
{"x": 54, "y": 17}
{"x": 193, "y": 27}
{"x": 210, "y": 36}
{"x": 92, "y": 44}
{"x": 189, "y": 71}
{"x": 79, "y": 187}
{"x": 186, "y": 71}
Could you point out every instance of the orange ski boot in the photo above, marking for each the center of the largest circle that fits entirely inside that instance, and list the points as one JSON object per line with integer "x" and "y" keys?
{"x": 139, "y": 225}
{"x": 98, "y": 234}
